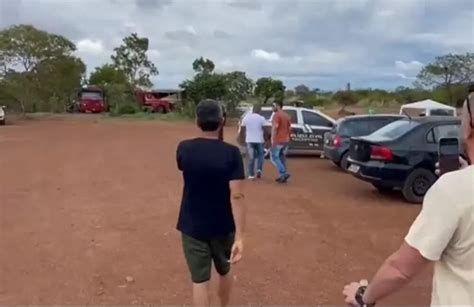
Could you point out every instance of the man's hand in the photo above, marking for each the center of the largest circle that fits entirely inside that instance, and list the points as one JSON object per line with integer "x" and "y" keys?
{"x": 237, "y": 251}
{"x": 463, "y": 164}
{"x": 349, "y": 293}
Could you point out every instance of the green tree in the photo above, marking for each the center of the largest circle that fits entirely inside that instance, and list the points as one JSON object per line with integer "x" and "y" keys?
{"x": 447, "y": 71}
{"x": 38, "y": 67}
{"x": 302, "y": 90}
{"x": 345, "y": 98}
{"x": 238, "y": 88}
{"x": 267, "y": 88}
{"x": 59, "y": 80}
{"x": 107, "y": 74}
{"x": 205, "y": 86}
{"x": 23, "y": 47}
{"x": 131, "y": 58}
{"x": 230, "y": 88}
{"x": 202, "y": 65}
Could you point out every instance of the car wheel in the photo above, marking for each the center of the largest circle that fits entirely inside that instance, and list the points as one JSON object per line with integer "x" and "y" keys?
{"x": 383, "y": 189}
{"x": 2, "y": 122}
{"x": 345, "y": 161}
{"x": 417, "y": 184}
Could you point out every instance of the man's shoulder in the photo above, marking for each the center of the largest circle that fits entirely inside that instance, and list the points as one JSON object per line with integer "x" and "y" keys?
{"x": 186, "y": 143}
{"x": 230, "y": 147}
{"x": 455, "y": 186}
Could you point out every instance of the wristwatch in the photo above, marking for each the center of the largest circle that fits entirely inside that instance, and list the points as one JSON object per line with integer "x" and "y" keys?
{"x": 360, "y": 297}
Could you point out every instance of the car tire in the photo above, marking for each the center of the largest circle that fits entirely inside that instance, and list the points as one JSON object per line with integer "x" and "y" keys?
{"x": 345, "y": 161}
{"x": 2, "y": 122}
{"x": 383, "y": 189}
{"x": 417, "y": 184}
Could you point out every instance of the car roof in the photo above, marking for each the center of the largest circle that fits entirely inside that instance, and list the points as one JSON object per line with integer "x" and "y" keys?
{"x": 435, "y": 119}
{"x": 352, "y": 118}
{"x": 364, "y": 116}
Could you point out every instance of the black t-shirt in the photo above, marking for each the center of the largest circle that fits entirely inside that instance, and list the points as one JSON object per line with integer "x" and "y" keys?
{"x": 207, "y": 166}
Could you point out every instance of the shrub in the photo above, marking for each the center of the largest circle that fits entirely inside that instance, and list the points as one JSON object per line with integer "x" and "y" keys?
{"x": 345, "y": 98}
{"x": 128, "y": 108}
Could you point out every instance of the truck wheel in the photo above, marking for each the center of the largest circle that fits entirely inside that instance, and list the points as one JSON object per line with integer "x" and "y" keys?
{"x": 344, "y": 161}
{"x": 417, "y": 184}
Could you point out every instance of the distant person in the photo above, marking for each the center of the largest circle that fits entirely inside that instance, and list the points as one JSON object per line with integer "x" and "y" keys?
{"x": 280, "y": 139}
{"x": 442, "y": 233}
{"x": 254, "y": 129}
{"x": 212, "y": 215}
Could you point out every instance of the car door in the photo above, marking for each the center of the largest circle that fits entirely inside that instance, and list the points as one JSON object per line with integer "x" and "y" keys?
{"x": 315, "y": 127}
{"x": 297, "y": 130}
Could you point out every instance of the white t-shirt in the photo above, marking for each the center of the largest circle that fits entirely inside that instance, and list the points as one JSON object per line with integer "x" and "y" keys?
{"x": 254, "y": 124}
{"x": 444, "y": 232}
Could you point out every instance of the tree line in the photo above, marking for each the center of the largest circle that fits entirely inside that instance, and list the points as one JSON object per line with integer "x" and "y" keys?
{"x": 40, "y": 72}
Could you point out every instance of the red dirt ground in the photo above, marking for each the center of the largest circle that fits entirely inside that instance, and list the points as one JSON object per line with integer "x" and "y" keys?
{"x": 86, "y": 203}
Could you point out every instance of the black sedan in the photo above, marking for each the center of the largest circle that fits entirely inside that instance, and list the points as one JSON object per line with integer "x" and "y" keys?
{"x": 336, "y": 142}
{"x": 402, "y": 155}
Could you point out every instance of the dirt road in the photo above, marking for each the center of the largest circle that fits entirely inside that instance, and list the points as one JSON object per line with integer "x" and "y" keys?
{"x": 84, "y": 204}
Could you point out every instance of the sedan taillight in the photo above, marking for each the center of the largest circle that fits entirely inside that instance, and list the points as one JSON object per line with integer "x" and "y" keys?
{"x": 380, "y": 153}
{"x": 337, "y": 141}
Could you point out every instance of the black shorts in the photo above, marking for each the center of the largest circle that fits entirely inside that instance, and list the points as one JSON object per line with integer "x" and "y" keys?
{"x": 200, "y": 254}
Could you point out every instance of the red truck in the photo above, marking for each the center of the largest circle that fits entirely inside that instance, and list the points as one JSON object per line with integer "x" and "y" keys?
{"x": 152, "y": 101}
{"x": 92, "y": 100}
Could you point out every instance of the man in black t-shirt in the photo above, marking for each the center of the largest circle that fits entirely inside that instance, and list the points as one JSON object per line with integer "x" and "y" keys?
{"x": 212, "y": 215}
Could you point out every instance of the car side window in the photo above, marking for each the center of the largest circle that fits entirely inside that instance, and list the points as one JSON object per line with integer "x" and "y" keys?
{"x": 443, "y": 131}
{"x": 313, "y": 119}
{"x": 293, "y": 116}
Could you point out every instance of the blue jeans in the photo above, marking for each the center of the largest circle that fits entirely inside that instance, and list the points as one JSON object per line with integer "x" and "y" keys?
{"x": 255, "y": 153}
{"x": 278, "y": 156}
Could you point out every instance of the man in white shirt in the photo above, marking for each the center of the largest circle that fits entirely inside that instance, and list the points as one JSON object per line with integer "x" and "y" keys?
{"x": 254, "y": 124}
{"x": 442, "y": 233}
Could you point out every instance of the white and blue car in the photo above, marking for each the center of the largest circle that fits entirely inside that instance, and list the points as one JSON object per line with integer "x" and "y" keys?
{"x": 2, "y": 115}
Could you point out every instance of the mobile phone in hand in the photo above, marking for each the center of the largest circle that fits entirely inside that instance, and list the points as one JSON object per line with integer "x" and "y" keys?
{"x": 448, "y": 155}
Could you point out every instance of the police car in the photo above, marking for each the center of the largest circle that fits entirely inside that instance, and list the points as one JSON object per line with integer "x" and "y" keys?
{"x": 2, "y": 115}
{"x": 308, "y": 128}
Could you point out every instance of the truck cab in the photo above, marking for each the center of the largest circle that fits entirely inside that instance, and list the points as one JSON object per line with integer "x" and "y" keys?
{"x": 92, "y": 100}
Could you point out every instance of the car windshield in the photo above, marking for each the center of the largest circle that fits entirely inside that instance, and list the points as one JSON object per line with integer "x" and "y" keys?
{"x": 394, "y": 130}
{"x": 91, "y": 95}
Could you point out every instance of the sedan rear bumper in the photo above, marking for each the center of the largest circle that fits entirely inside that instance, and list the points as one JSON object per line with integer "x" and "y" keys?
{"x": 378, "y": 172}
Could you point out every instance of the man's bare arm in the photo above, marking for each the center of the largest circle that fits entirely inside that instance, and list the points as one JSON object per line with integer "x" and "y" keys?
{"x": 275, "y": 125}
{"x": 239, "y": 208}
{"x": 241, "y": 136}
{"x": 396, "y": 272}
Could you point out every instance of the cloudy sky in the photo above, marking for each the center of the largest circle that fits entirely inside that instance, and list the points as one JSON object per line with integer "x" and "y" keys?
{"x": 321, "y": 43}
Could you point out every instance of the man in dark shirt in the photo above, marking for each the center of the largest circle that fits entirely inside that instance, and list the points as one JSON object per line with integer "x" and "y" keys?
{"x": 212, "y": 215}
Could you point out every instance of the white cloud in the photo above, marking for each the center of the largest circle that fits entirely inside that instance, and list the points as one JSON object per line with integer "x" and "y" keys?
{"x": 322, "y": 43}
{"x": 265, "y": 55}
{"x": 88, "y": 46}
{"x": 408, "y": 66}
{"x": 190, "y": 29}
